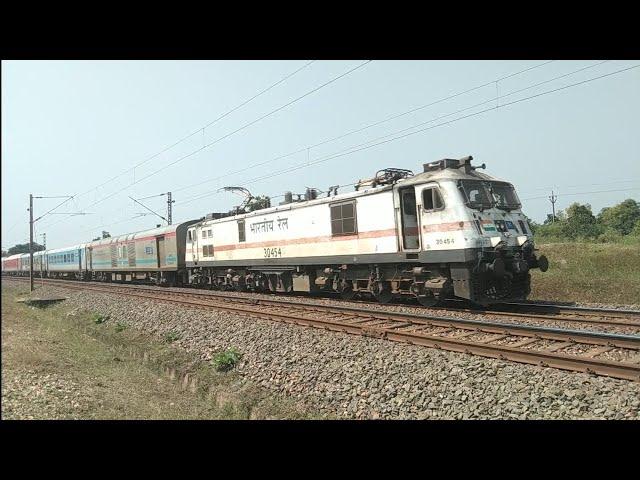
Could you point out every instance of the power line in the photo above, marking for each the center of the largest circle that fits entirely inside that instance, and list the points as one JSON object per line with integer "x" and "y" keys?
{"x": 372, "y": 124}
{"x": 366, "y": 127}
{"x": 587, "y": 184}
{"x": 234, "y": 132}
{"x": 364, "y": 146}
{"x": 584, "y": 193}
{"x": 319, "y": 160}
{"x": 202, "y": 128}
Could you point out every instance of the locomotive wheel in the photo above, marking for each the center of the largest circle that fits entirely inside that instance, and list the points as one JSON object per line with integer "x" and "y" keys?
{"x": 428, "y": 300}
{"x": 347, "y": 294}
{"x": 384, "y": 296}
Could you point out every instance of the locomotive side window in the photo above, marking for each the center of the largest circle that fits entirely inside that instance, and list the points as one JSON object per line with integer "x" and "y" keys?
{"x": 205, "y": 251}
{"x": 431, "y": 199}
{"x": 343, "y": 219}
{"x": 241, "y": 231}
{"x": 204, "y": 234}
{"x": 210, "y": 233}
{"x": 189, "y": 235}
{"x": 211, "y": 250}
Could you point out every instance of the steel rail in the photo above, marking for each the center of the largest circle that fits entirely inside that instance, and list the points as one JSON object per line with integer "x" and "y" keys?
{"x": 621, "y": 313}
{"x": 622, "y": 320}
{"x": 389, "y": 325}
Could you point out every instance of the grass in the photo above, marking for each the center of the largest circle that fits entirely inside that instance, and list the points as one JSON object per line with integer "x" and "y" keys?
{"x": 589, "y": 272}
{"x": 172, "y": 336}
{"x": 226, "y": 360}
{"x": 58, "y": 363}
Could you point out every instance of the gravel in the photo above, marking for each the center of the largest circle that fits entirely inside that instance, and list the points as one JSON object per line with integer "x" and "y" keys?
{"x": 358, "y": 377}
{"x": 30, "y": 395}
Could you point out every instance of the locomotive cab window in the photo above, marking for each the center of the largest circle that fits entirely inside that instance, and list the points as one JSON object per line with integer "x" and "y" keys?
{"x": 241, "y": 231}
{"x": 189, "y": 235}
{"x": 343, "y": 219}
{"x": 431, "y": 199}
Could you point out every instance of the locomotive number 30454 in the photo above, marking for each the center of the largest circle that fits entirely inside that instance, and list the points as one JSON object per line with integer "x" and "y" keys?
{"x": 272, "y": 252}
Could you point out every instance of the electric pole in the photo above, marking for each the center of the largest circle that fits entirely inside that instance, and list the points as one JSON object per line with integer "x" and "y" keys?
{"x": 31, "y": 242}
{"x": 32, "y": 221}
{"x": 169, "y": 202}
{"x": 44, "y": 240}
{"x": 553, "y": 199}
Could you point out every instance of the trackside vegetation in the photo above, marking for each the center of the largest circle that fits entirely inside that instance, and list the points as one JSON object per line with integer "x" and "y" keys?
{"x": 617, "y": 224}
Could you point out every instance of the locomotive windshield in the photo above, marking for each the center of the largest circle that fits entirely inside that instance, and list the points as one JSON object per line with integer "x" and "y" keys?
{"x": 476, "y": 194}
{"x": 481, "y": 195}
{"x": 504, "y": 195}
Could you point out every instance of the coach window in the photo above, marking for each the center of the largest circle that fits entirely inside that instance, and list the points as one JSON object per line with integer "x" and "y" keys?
{"x": 343, "y": 219}
{"x": 241, "y": 231}
{"x": 431, "y": 199}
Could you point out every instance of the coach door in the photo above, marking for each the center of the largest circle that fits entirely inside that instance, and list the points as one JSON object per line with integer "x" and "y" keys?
{"x": 409, "y": 219}
{"x": 162, "y": 259}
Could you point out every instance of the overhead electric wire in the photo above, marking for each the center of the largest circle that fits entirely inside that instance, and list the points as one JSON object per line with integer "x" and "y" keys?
{"x": 584, "y": 193}
{"x": 393, "y": 117}
{"x": 366, "y": 127}
{"x": 587, "y": 184}
{"x": 198, "y": 130}
{"x": 195, "y": 132}
{"x": 322, "y": 159}
{"x": 233, "y": 132}
{"x": 363, "y": 146}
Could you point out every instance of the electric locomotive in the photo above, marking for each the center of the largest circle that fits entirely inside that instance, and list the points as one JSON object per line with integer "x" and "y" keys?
{"x": 450, "y": 231}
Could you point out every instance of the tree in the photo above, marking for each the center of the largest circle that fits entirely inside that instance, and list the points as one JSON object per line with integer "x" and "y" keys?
{"x": 5, "y": 253}
{"x": 581, "y": 223}
{"x": 24, "y": 248}
{"x": 621, "y": 217}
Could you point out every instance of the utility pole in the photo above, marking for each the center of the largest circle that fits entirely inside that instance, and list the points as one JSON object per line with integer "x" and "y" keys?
{"x": 32, "y": 221}
{"x": 44, "y": 240}
{"x": 31, "y": 242}
{"x": 169, "y": 202}
{"x": 553, "y": 199}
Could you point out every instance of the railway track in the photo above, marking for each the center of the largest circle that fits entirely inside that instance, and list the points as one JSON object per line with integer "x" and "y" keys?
{"x": 608, "y": 354}
{"x": 604, "y": 317}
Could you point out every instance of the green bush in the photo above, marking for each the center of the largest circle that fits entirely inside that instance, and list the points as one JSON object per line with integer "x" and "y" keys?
{"x": 172, "y": 336}
{"x": 225, "y": 361}
{"x": 120, "y": 327}
{"x": 99, "y": 318}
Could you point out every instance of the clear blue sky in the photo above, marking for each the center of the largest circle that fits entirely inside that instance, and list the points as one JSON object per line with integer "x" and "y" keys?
{"x": 68, "y": 126}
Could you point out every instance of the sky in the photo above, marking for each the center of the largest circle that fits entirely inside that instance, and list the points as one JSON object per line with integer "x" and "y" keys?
{"x": 68, "y": 127}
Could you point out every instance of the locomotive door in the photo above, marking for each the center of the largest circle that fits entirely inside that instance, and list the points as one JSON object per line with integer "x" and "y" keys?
{"x": 162, "y": 259}
{"x": 436, "y": 223}
{"x": 409, "y": 219}
{"x": 90, "y": 258}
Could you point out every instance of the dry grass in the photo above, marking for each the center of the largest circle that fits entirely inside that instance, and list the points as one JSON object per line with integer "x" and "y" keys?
{"x": 589, "y": 272}
{"x": 61, "y": 365}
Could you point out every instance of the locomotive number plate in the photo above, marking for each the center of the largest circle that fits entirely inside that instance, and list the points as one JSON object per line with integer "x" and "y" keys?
{"x": 444, "y": 241}
{"x": 272, "y": 252}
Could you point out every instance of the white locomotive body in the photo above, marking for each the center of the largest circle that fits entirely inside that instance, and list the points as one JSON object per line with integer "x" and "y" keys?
{"x": 449, "y": 231}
